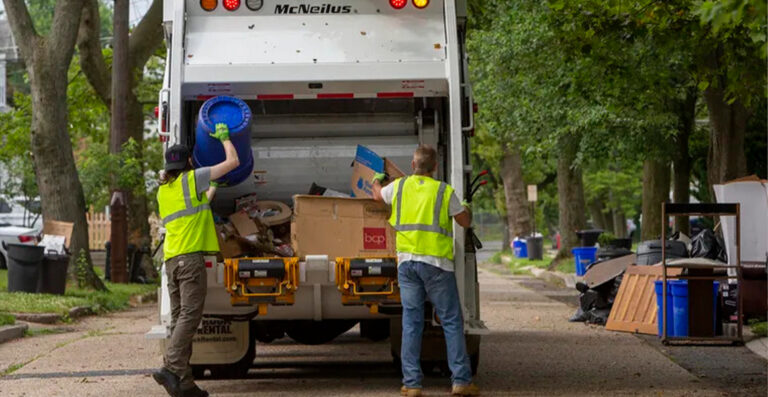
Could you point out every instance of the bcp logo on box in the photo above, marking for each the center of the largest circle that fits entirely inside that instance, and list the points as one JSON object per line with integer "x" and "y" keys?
{"x": 374, "y": 238}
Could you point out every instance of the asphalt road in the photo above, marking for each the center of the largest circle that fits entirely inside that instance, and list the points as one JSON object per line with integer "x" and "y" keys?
{"x": 532, "y": 350}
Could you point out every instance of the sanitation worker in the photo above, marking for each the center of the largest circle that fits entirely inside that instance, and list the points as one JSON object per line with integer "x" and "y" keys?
{"x": 423, "y": 210}
{"x": 183, "y": 199}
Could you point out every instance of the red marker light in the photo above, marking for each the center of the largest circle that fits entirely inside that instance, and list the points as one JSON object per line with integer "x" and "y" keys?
{"x": 231, "y": 5}
{"x": 483, "y": 183}
{"x": 484, "y": 172}
{"x": 157, "y": 111}
{"x": 398, "y": 4}
{"x": 26, "y": 239}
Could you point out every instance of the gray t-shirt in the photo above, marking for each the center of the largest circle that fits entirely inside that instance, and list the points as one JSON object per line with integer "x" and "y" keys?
{"x": 454, "y": 208}
{"x": 202, "y": 180}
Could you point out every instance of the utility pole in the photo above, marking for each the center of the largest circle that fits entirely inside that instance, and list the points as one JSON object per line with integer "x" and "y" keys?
{"x": 118, "y": 136}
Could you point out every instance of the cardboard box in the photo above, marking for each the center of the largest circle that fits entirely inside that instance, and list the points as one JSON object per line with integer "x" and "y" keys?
{"x": 366, "y": 164}
{"x": 228, "y": 245}
{"x": 341, "y": 227}
{"x": 58, "y": 228}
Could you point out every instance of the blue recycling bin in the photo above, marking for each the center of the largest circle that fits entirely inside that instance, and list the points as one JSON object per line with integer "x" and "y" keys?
{"x": 520, "y": 248}
{"x": 584, "y": 256}
{"x": 670, "y": 308}
{"x": 208, "y": 151}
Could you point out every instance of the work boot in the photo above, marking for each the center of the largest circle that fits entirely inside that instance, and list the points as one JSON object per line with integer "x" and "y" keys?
{"x": 465, "y": 390}
{"x": 193, "y": 391}
{"x": 168, "y": 380}
{"x": 406, "y": 391}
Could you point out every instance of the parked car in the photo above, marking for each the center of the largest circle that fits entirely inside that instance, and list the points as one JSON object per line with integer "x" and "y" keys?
{"x": 19, "y": 211}
{"x": 15, "y": 234}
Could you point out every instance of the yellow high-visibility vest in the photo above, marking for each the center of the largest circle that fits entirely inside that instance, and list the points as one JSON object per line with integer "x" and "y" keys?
{"x": 187, "y": 219}
{"x": 420, "y": 216}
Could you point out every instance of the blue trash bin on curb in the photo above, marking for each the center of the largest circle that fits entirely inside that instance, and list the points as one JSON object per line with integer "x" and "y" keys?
{"x": 584, "y": 256}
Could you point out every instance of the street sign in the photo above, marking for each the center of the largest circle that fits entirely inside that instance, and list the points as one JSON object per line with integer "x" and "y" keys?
{"x": 532, "y": 193}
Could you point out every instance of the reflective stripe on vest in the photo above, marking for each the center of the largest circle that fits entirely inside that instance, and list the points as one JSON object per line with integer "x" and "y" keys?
{"x": 190, "y": 209}
{"x": 420, "y": 215}
{"x": 186, "y": 217}
{"x": 435, "y": 226}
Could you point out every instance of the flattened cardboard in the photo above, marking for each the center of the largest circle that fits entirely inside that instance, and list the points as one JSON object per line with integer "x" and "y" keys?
{"x": 341, "y": 227}
{"x": 366, "y": 164}
{"x": 59, "y": 228}
{"x": 243, "y": 224}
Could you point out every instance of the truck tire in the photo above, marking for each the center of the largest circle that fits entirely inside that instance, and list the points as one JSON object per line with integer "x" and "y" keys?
{"x": 311, "y": 332}
{"x": 236, "y": 370}
{"x": 375, "y": 330}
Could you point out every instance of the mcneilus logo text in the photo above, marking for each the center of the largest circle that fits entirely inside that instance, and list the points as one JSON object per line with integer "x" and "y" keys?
{"x": 312, "y": 9}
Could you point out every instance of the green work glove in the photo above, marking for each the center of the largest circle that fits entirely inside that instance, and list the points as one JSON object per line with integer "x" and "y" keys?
{"x": 379, "y": 176}
{"x": 222, "y": 132}
{"x": 216, "y": 184}
{"x": 466, "y": 203}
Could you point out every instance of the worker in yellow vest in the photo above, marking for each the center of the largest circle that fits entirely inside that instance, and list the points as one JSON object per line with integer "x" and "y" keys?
{"x": 183, "y": 200}
{"x": 423, "y": 211}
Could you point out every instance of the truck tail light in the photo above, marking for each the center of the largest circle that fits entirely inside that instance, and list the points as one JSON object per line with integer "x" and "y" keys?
{"x": 26, "y": 239}
{"x": 398, "y": 4}
{"x": 231, "y": 5}
{"x": 208, "y": 5}
{"x": 420, "y": 3}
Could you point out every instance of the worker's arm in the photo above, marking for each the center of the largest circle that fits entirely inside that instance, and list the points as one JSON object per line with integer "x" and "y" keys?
{"x": 460, "y": 211}
{"x": 377, "y": 178}
{"x": 464, "y": 219}
{"x": 229, "y": 164}
{"x": 211, "y": 191}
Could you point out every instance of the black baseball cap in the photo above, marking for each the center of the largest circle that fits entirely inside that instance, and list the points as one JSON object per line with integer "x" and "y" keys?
{"x": 176, "y": 158}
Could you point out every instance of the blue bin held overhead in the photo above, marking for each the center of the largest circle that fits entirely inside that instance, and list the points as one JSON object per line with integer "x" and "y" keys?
{"x": 208, "y": 151}
{"x": 584, "y": 256}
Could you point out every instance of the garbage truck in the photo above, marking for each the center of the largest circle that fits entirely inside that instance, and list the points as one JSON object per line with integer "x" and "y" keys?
{"x": 320, "y": 77}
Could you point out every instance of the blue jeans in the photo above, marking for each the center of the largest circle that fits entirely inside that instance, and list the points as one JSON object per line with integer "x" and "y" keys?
{"x": 419, "y": 281}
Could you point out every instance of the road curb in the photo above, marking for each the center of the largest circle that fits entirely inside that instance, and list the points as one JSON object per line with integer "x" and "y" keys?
{"x": 38, "y": 318}
{"x": 557, "y": 278}
{"x": 9, "y": 332}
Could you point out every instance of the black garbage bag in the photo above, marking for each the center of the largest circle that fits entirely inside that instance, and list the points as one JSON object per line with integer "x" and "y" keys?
{"x": 708, "y": 245}
{"x": 598, "y": 316}
{"x": 579, "y": 316}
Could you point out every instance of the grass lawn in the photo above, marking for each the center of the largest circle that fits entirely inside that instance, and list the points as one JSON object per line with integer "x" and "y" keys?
{"x": 518, "y": 265}
{"x": 115, "y": 299}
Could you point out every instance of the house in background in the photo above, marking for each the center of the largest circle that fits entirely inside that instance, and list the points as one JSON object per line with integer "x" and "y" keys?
{"x": 8, "y": 53}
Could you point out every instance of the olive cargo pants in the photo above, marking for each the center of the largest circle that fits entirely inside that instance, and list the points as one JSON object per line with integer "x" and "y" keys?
{"x": 187, "y": 285}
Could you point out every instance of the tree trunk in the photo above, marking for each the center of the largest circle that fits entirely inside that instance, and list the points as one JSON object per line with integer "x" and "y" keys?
{"x": 138, "y": 212}
{"x": 596, "y": 212}
{"x": 506, "y": 240}
{"x": 619, "y": 224}
{"x": 686, "y": 113}
{"x": 518, "y": 213}
{"x": 728, "y": 124}
{"x": 60, "y": 190}
{"x": 570, "y": 192}
{"x": 655, "y": 191}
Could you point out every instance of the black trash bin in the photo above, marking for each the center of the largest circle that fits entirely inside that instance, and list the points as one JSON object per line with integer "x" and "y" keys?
{"x": 53, "y": 274}
{"x": 649, "y": 252}
{"x": 589, "y": 237}
{"x": 23, "y": 266}
{"x": 535, "y": 248}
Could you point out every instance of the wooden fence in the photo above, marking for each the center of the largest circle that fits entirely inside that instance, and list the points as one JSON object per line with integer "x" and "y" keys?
{"x": 98, "y": 229}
